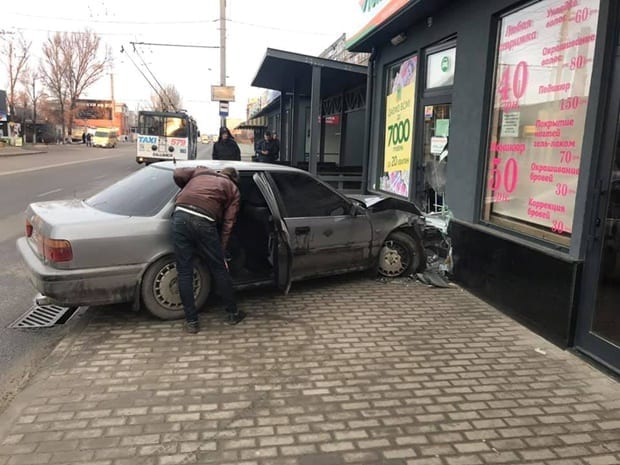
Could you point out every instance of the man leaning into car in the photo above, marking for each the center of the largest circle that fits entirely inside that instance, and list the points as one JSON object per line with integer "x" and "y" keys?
{"x": 206, "y": 199}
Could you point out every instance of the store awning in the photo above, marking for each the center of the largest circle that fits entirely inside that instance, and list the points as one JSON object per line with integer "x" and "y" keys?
{"x": 291, "y": 72}
{"x": 412, "y": 12}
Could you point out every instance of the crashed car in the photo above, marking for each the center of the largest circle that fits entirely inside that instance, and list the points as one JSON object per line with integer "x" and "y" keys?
{"x": 116, "y": 246}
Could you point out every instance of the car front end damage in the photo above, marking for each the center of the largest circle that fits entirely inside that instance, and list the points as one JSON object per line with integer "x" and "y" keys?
{"x": 391, "y": 214}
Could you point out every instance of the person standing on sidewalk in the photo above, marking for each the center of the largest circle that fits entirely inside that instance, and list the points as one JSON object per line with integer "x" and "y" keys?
{"x": 206, "y": 199}
{"x": 266, "y": 149}
{"x": 276, "y": 145}
{"x": 226, "y": 147}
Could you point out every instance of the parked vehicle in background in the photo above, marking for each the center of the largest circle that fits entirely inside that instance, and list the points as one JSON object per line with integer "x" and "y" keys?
{"x": 105, "y": 137}
{"x": 166, "y": 135}
{"x": 205, "y": 139}
{"x": 116, "y": 246}
{"x": 76, "y": 134}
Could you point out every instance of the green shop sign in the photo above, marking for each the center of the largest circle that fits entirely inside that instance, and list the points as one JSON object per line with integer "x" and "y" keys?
{"x": 445, "y": 64}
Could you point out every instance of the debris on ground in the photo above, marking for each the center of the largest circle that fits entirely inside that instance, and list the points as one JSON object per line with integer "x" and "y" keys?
{"x": 438, "y": 250}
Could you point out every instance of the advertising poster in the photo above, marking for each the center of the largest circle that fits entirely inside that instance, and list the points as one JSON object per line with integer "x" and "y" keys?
{"x": 543, "y": 75}
{"x": 399, "y": 127}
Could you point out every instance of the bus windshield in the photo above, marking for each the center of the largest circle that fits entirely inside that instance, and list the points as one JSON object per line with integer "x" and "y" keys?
{"x": 160, "y": 125}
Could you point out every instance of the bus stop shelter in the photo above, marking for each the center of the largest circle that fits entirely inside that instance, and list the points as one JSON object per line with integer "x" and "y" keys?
{"x": 299, "y": 76}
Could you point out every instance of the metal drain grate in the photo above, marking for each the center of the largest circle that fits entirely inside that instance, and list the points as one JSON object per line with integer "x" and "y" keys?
{"x": 43, "y": 316}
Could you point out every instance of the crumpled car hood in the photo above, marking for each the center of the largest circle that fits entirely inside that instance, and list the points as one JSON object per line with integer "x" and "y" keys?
{"x": 377, "y": 203}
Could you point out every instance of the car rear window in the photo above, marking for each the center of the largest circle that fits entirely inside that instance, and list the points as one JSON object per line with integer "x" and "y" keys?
{"x": 143, "y": 193}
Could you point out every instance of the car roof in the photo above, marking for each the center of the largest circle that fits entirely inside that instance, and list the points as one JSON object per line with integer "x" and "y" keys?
{"x": 218, "y": 165}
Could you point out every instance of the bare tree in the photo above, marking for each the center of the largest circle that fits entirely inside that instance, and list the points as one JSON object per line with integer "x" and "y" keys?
{"x": 52, "y": 71}
{"x": 71, "y": 64}
{"x": 84, "y": 66}
{"x": 167, "y": 99}
{"x": 15, "y": 55}
{"x": 34, "y": 95}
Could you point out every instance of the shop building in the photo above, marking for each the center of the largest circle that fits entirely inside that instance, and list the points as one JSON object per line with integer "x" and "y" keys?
{"x": 503, "y": 116}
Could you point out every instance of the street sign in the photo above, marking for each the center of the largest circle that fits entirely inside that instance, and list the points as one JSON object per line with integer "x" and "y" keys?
{"x": 224, "y": 109}
{"x": 223, "y": 93}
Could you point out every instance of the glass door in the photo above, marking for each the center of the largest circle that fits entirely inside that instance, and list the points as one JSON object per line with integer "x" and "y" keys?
{"x": 601, "y": 328}
{"x": 598, "y": 326}
{"x": 430, "y": 195}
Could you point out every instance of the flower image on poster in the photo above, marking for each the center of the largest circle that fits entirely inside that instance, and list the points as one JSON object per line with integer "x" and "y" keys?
{"x": 542, "y": 82}
{"x": 399, "y": 127}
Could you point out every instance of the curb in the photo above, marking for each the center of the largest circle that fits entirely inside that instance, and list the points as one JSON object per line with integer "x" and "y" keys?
{"x": 21, "y": 154}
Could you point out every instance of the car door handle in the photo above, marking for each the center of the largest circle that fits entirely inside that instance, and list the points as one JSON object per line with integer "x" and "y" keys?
{"x": 302, "y": 230}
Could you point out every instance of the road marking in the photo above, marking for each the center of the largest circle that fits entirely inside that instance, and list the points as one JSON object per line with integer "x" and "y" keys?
{"x": 49, "y": 192}
{"x": 58, "y": 165}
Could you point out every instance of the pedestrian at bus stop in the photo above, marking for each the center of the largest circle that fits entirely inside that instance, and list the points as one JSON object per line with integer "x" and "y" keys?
{"x": 267, "y": 149}
{"x": 226, "y": 147}
{"x": 276, "y": 145}
{"x": 207, "y": 198}
{"x": 89, "y": 138}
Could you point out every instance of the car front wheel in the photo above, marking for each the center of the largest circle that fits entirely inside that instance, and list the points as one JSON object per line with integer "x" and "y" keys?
{"x": 400, "y": 254}
{"x": 160, "y": 292}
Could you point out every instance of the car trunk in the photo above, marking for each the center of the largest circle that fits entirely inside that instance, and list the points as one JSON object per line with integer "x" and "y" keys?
{"x": 86, "y": 237}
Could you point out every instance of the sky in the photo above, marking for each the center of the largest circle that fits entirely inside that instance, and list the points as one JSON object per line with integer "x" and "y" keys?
{"x": 302, "y": 26}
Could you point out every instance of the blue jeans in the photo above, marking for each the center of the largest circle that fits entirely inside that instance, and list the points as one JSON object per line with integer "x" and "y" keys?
{"x": 194, "y": 236}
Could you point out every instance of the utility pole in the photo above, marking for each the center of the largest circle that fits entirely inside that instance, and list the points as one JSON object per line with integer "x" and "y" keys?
{"x": 34, "y": 109}
{"x": 223, "y": 51}
{"x": 112, "y": 94}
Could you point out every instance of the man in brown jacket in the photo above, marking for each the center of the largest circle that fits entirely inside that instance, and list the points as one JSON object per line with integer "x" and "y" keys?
{"x": 207, "y": 198}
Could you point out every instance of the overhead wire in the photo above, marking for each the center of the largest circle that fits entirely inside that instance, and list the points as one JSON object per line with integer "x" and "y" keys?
{"x": 143, "y": 75}
{"x": 99, "y": 21}
{"x": 153, "y": 75}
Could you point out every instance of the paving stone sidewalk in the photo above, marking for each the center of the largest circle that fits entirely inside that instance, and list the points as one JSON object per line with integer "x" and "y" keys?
{"x": 342, "y": 371}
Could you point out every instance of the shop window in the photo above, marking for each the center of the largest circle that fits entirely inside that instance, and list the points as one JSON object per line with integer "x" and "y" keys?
{"x": 395, "y": 167}
{"x": 542, "y": 80}
{"x": 440, "y": 68}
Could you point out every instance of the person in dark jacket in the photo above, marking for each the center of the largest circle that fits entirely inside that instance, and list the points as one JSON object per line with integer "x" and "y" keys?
{"x": 226, "y": 147}
{"x": 267, "y": 149}
{"x": 207, "y": 198}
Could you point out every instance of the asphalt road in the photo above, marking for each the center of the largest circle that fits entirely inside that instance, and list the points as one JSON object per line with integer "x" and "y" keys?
{"x": 64, "y": 172}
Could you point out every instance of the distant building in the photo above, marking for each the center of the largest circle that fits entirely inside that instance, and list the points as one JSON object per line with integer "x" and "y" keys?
{"x": 92, "y": 113}
{"x": 338, "y": 51}
{"x": 4, "y": 114}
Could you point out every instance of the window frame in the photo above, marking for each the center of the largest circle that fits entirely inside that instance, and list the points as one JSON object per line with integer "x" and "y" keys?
{"x": 280, "y": 201}
{"x": 379, "y": 165}
{"x": 530, "y": 233}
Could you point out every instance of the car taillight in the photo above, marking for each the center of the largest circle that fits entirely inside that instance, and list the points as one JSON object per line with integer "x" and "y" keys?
{"x": 28, "y": 228}
{"x": 57, "y": 251}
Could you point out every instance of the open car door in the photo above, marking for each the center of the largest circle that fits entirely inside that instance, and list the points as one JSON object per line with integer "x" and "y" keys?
{"x": 283, "y": 252}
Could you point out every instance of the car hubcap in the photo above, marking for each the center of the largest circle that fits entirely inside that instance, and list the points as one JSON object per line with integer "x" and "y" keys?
{"x": 166, "y": 289}
{"x": 393, "y": 259}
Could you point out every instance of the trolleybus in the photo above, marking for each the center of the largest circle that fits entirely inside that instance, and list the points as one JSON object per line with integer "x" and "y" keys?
{"x": 166, "y": 135}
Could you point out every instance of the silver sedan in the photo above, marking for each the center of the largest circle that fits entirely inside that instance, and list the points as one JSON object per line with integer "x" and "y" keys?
{"x": 116, "y": 245}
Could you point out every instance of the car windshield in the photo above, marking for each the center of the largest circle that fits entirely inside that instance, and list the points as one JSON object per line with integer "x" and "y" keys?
{"x": 101, "y": 134}
{"x": 144, "y": 193}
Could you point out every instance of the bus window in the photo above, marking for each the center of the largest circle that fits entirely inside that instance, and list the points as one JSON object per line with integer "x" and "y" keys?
{"x": 151, "y": 125}
{"x": 176, "y": 127}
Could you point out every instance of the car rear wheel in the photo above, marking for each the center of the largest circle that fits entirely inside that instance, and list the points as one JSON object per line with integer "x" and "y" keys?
{"x": 400, "y": 254}
{"x": 160, "y": 293}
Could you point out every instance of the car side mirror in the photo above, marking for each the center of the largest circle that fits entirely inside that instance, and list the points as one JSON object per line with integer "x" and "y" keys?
{"x": 357, "y": 210}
